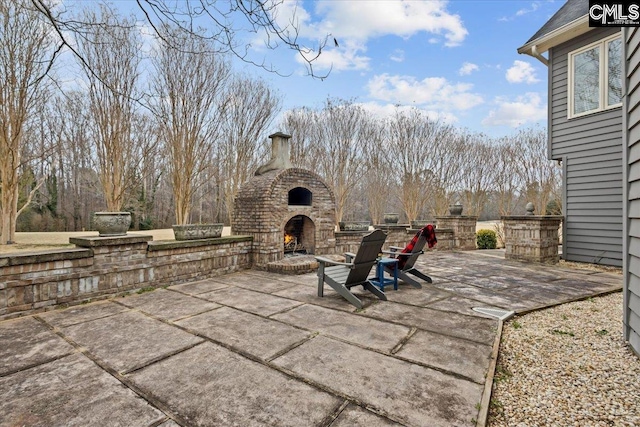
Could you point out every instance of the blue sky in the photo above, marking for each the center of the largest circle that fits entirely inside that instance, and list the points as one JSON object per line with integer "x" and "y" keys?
{"x": 455, "y": 59}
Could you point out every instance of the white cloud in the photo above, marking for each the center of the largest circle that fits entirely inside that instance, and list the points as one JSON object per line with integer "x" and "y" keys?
{"x": 347, "y": 57}
{"x": 468, "y": 68}
{"x": 397, "y": 55}
{"x": 521, "y": 12}
{"x": 355, "y": 23}
{"x": 434, "y": 93}
{"x": 521, "y": 72}
{"x": 366, "y": 19}
{"x": 534, "y": 7}
{"x": 528, "y": 108}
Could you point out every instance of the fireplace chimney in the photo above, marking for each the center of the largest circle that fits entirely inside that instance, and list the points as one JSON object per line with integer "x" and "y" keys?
{"x": 280, "y": 148}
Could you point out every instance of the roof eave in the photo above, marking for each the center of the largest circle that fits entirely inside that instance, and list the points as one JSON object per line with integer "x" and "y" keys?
{"x": 554, "y": 38}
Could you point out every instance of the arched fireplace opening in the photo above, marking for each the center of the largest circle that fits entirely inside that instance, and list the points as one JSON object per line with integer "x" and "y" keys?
{"x": 300, "y": 196}
{"x": 299, "y": 236}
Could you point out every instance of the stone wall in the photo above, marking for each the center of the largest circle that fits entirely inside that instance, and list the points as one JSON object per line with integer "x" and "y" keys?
{"x": 348, "y": 241}
{"x": 102, "y": 267}
{"x": 445, "y": 239}
{"x": 532, "y": 238}
{"x": 400, "y": 235}
{"x": 464, "y": 230}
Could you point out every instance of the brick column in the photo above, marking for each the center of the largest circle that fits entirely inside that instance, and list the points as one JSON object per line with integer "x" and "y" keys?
{"x": 532, "y": 237}
{"x": 464, "y": 230}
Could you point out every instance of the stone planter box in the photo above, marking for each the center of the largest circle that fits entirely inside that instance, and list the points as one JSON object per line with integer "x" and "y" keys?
{"x": 391, "y": 218}
{"x": 354, "y": 225}
{"x": 197, "y": 231}
{"x": 455, "y": 210}
{"x": 110, "y": 224}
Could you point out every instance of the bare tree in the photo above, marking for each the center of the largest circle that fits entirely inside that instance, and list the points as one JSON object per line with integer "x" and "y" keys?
{"x": 506, "y": 177}
{"x": 251, "y": 108}
{"x": 111, "y": 52}
{"x": 539, "y": 176}
{"x": 24, "y": 47}
{"x": 147, "y": 172}
{"x": 480, "y": 166}
{"x": 379, "y": 185}
{"x": 188, "y": 88}
{"x": 302, "y": 125}
{"x": 423, "y": 149}
{"x": 341, "y": 141}
{"x": 78, "y": 181}
{"x": 231, "y": 25}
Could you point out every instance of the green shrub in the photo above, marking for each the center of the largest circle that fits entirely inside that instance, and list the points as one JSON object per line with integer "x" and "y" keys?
{"x": 486, "y": 239}
{"x": 554, "y": 207}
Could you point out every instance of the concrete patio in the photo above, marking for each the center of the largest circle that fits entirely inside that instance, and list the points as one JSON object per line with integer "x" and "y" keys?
{"x": 260, "y": 349}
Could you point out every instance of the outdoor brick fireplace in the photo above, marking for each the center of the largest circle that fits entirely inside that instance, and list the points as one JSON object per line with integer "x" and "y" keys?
{"x": 286, "y": 210}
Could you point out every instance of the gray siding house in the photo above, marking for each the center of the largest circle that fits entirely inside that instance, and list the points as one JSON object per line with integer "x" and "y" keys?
{"x": 631, "y": 161}
{"x": 594, "y": 129}
{"x": 585, "y": 129}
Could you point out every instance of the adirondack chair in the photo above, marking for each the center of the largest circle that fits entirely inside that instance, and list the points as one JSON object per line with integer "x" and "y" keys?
{"x": 342, "y": 276}
{"x": 408, "y": 256}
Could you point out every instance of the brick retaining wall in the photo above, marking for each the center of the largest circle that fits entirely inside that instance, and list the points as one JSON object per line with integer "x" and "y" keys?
{"x": 102, "y": 267}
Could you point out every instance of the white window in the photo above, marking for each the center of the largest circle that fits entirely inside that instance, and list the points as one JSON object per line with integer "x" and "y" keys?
{"x": 595, "y": 77}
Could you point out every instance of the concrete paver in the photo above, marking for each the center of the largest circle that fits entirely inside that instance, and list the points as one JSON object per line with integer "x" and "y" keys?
{"x": 472, "y": 328}
{"x": 354, "y": 416}
{"x": 199, "y": 287}
{"x": 262, "y": 349}
{"x": 82, "y": 313}
{"x": 485, "y": 296}
{"x": 210, "y": 385}
{"x": 264, "y": 282}
{"x": 404, "y": 391}
{"x": 407, "y": 294}
{"x": 254, "y": 302}
{"x": 331, "y": 299}
{"x": 467, "y": 358}
{"x": 27, "y": 342}
{"x": 71, "y": 391}
{"x": 246, "y": 332}
{"x": 361, "y": 330}
{"x": 168, "y": 305}
{"x": 462, "y": 305}
{"x": 129, "y": 340}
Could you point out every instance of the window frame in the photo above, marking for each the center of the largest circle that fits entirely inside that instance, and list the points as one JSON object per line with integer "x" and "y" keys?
{"x": 603, "y": 77}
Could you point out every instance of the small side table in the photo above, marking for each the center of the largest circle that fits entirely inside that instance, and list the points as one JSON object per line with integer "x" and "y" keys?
{"x": 380, "y": 281}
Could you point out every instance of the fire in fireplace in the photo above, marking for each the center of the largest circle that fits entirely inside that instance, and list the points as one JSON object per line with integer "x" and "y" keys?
{"x": 298, "y": 235}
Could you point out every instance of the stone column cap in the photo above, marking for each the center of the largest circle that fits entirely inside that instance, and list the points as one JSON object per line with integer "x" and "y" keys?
{"x": 456, "y": 217}
{"x": 97, "y": 241}
{"x": 532, "y": 217}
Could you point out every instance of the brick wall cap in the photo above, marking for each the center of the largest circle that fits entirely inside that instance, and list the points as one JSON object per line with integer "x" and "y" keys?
{"x": 50, "y": 255}
{"x": 391, "y": 226}
{"x": 475, "y": 218}
{"x": 97, "y": 241}
{"x": 532, "y": 217}
{"x": 161, "y": 245}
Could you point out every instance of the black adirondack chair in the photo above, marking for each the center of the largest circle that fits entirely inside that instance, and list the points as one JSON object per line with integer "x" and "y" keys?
{"x": 342, "y": 276}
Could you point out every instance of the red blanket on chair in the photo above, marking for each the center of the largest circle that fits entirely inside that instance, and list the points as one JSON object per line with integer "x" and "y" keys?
{"x": 429, "y": 233}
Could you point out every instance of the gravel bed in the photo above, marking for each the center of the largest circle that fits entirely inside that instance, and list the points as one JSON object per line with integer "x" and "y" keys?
{"x": 567, "y": 366}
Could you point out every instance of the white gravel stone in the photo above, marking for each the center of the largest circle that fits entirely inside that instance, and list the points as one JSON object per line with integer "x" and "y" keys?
{"x": 567, "y": 366}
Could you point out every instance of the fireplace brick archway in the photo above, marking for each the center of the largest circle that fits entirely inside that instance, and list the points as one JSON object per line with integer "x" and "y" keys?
{"x": 262, "y": 209}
